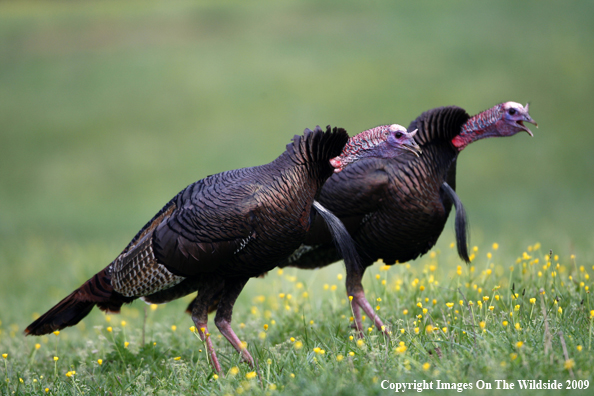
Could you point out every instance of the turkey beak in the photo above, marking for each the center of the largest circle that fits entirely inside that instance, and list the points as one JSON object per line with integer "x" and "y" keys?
{"x": 528, "y": 119}
{"x": 411, "y": 145}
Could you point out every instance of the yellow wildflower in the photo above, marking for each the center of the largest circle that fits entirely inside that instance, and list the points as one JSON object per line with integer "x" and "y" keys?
{"x": 569, "y": 363}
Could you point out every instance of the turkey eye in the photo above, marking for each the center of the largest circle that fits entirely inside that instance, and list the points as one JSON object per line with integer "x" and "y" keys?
{"x": 398, "y": 135}
{"x": 512, "y": 111}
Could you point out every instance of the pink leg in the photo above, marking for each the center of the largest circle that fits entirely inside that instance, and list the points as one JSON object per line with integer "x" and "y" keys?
{"x": 358, "y": 320}
{"x": 205, "y": 336}
{"x": 226, "y": 330}
{"x": 224, "y": 312}
{"x": 360, "y": 300}
{"x": 199, "y": 308}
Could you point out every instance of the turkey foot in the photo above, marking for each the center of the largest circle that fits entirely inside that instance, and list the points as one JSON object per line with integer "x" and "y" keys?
{"x": 359, "y": 301}
{"x": 205, "y": 336}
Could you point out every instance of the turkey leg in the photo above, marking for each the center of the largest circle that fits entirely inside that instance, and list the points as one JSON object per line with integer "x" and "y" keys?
{"x": 206, "y": 291}
{"x": 230, "y": 293}
{"x": 357, "y": 296}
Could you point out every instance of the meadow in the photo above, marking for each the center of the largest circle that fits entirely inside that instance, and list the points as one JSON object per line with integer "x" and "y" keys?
{"x": 108, "y": 109}
{"x": 500, "y": 319}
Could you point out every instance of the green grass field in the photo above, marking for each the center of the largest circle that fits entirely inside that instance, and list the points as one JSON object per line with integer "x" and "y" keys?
{"x": 108, "y": 109}
{"x": 502, "y": 318}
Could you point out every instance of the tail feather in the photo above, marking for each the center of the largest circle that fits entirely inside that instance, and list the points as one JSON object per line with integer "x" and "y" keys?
{"x": 317, "y": 145}
{"x": 341, "y": 237}
{"x": 461, "y": 224}
{"x": 67, "y": 312}
{"x": 72, "y": 309}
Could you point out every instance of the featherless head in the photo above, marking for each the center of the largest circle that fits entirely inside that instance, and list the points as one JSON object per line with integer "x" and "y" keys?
{"x": 505, "y": 119}
{"x": 385, "y": 141}
{"x": 513, "y": 118}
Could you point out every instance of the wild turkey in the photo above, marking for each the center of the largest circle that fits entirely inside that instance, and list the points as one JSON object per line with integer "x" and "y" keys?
{"x": 396, "y": 208}
{"x": 391, "y": 141}
{"x": 211, "y": 238}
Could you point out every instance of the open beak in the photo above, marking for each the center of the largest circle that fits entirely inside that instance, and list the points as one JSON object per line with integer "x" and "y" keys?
{"x": 523, "y": 127}
{"x": 527, "y": 118}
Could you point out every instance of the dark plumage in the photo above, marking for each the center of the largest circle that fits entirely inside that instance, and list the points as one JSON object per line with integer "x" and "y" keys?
{"x": 396, "y": 208}
{"x": 211, "y": 238}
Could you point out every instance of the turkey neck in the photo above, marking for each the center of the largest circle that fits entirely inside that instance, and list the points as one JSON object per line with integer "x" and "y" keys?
{"x": 438, "y": 129}
{"x": 478, "y": 127}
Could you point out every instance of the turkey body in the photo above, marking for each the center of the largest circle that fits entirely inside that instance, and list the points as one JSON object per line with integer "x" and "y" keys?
{"x": 394, "y": 208}
{"x": 211, "y": 238}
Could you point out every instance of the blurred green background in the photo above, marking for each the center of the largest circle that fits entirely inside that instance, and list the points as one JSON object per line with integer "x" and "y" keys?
{"x": 108, "y": 109}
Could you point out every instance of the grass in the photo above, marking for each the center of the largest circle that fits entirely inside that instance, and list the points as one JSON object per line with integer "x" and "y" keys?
{"x": 501, "y": 318}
